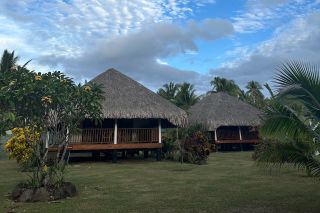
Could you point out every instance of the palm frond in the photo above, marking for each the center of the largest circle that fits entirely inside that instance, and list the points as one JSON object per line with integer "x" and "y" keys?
{"x": 297, "y": 154}
{"x": 300, "y": 81}
{"x": 281, "y": 121}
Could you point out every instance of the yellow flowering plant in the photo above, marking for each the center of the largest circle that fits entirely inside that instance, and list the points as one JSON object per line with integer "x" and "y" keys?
{"x": 21, "y": 145}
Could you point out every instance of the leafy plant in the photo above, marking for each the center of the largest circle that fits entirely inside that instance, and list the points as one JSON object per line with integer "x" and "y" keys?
{"x": 292, "y": 119}
{"x": 21, "y": 145}
{"x": 192, "y": 145}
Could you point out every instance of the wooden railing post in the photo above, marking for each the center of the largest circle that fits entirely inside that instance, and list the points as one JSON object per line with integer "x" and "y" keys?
{"x": 159, "y": 130}
{"x": 115, "y": 135}
{"x": 215, "y": 135}
{"x": 240, "y": 135}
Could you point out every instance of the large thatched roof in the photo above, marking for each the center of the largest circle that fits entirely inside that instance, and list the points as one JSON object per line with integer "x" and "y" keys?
{"x": 126, "y": 98}
{"x": 221, "y": 109}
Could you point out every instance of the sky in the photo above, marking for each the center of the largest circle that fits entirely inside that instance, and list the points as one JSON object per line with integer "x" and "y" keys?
{"x": 158, "y": 41}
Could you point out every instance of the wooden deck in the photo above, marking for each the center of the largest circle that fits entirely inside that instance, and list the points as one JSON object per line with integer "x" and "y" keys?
{"x": 89, "y": 147}
{"x": 254, "y": 141}
{"x": 103, "y": 139}
{"x": 94, "y": 147}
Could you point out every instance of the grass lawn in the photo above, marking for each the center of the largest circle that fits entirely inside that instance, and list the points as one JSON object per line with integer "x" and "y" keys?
{"x": 230, "y": 182}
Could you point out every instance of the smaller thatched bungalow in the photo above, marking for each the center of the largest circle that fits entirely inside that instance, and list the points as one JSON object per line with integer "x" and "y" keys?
{"x": 229, "y": 120}
{"x": 133, "y": 117}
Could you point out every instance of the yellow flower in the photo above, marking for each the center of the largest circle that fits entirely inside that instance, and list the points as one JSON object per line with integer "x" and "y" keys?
{"x": 12, "y": 83}
{"x": 21, "y": 145}
{"x": 87, "y": 88}
{"x": 38, "y": 78}
{"x": 46, "y": 99}
{"x": 45, "y": 168}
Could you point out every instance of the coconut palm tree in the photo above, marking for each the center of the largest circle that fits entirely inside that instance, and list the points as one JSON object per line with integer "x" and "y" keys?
{"x": 224, "y": 85}
{"x": 8, "y": 61}
{"x": 292, "y": 120}
{"x": 254, "y": 94}
{"x": 186, "y": 96}
{"x": 169, "y": 91}
{"x": 267, "y": 86}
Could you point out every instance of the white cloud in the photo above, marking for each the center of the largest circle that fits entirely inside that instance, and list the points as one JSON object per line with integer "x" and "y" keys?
{"x": 159, "y": 61}
{"x": 139, "y": 54}
{"x": 71, "y": 25}
{"x": 298, "y": 40}
{"x": 263, "y": 14}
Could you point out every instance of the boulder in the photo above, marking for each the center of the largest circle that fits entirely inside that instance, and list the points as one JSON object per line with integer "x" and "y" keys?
{"x": 40, "y": 194}
{"x": 69, "y": 189}
{"x": 26, "y": 195}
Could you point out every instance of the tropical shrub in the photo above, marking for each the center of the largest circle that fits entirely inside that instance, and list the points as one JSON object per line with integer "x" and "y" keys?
{"x": 192, "y": 145}
{"x": 21, "y": 145}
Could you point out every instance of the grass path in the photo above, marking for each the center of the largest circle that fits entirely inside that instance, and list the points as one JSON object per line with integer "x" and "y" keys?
{"x": 230, "y": 182}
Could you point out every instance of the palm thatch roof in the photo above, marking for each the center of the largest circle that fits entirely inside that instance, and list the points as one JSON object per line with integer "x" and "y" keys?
{"x": 127, "y": 99}
{"x": 221, "y": 109}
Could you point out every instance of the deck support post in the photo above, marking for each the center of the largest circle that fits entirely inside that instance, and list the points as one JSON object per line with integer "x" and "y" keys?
{"x": 114, "y": 156}
{"x": 123, "y": 154}
{"x": 158, "y": 154}
{"x": 159, "y": 122}
{"x": 146, "y": 153}
{"x": 115, "y": 135}
{"x": 95, "y": 155}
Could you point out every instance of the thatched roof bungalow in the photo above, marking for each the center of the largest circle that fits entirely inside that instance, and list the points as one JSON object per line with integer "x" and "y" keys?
{"x": 133, "y": 116}
{"x": 127, "y": 99}
{"x": 228, "y": 119}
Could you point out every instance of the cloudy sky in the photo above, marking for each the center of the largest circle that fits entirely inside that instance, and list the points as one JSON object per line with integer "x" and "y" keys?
{"x": 157, "y": 41}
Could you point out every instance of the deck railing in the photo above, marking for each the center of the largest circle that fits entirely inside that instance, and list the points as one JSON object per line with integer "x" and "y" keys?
{"x": 138, "y": 135}
{"x": 124, "y": 135}
{"x": 88, "y": 136}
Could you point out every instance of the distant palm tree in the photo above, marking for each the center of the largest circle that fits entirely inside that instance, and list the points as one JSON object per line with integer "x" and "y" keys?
{"x": 8, "y": 61}
{"x": 292, "y": 119}
{"x": 254, "y": 94}
{"x": 225, "y": 85}
{"x": 169, "y": 91}
{"x": 186, "y": 96}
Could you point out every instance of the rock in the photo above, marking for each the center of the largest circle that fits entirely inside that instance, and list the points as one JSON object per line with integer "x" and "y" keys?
{"x": 57, "y": 194}
{"x": 25, "y": 196}
{"x": 40, "y": 194}
{"x": 69, "y": 189}
{"x": 16, "y": 192}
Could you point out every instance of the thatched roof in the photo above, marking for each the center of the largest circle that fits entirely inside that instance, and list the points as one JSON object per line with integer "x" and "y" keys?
{"x": 126, "y": 98}
{"x": 221, "y": 109}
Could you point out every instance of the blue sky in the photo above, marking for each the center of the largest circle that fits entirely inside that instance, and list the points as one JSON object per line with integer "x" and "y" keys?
{"x": 159, "y": 41}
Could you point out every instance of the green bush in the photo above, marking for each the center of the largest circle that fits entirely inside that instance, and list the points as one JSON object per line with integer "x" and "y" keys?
{"x": 190, "y": 146}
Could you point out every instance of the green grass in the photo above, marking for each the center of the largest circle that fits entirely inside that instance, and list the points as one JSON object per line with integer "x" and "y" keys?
{"x": 230, "y": 182}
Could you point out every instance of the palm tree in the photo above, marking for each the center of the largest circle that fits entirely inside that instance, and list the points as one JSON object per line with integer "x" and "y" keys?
{"x": 292, "y": 120}
{"x": 254, "y": 94}
{"x": 225, "y": 85}
{"x": 267, "y": 86}
{"x": 8, "y": 61}
{"x": 169, "y": 91}
{"x": 186, "y": 96}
